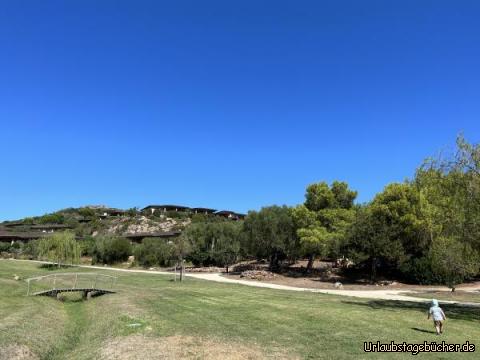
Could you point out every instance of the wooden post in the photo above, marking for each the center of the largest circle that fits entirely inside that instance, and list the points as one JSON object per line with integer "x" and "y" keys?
{"x": 75, "y": 283}
{"x": 182, "y": 269}
{"x": 54, "y": 281}
{"x": 28, "y": 289}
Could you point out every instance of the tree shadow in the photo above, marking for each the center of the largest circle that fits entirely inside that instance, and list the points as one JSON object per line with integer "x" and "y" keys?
{"x": 452, "y": 311}
{"x": 423, "y": 330}
{"x": 52, "y": 266}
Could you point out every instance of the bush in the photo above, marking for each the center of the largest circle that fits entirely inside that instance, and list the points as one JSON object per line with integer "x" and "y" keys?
{"x": 51, "y": 219}
{"x": 4, "y": 246}
{"x": 87, "y": 246}
{"x": 154, "y": 251}
{"x": 109, "y": 250}
{"x": 31, "y": 249}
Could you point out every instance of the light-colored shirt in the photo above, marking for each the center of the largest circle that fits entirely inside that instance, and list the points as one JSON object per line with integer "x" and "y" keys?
{"x": 437, "y": 313}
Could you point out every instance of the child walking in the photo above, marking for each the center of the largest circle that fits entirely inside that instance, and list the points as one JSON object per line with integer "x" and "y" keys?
{"x": 438, "y": 316}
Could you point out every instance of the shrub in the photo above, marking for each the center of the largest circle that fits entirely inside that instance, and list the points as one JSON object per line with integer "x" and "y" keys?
{"x": 4, "y": 246}
{"x": 59, "y": 247}
{"x": 109, "y": 250}
{"x": 154, "y": 251}
{"x": 87, "y": 246}
{"x": 51, "y": 219}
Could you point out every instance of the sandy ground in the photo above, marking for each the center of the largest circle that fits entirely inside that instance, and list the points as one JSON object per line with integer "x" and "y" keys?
{"x": 384, "y": 294}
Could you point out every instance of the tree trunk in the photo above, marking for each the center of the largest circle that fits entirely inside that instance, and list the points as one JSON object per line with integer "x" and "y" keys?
{"x": 311, "y": 258}
{"x": 374, "y": 269}
{"x": 182, "y": 270}
{"x": 272, "y": 261}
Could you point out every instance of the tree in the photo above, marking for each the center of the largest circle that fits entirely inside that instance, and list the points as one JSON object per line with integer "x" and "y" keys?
{"x": 214, "y": 242}
{"x": 323, "y": 220}
{"x": 60, "y": 247}
{"x": 390, "y": 231}
{"x": 111, "y": 249}
{"x": 453, "y": 262}
{"x": 369, "y": 242}
{"x": 154, "y": 251}
{"x": 270, "y": 233}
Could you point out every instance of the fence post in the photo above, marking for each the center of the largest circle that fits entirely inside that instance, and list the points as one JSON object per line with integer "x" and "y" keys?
{"x": 95, "y": 282}
{"x": 54, "y": 281}
{"x": 75, "y": 284}
{"x": 28, "y": 289}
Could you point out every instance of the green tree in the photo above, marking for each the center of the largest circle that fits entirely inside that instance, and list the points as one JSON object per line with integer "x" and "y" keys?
{"x": 323, "y": 220}
{"x": 453, "y": 262}
{"x": 154, "y": 251}
{"x": 270, "y": 233}
{"x": 60, "y": 247}
{"x": 111, "y": 249}
{"x": 391, "y": 231}
{"x": 214, "y": 242}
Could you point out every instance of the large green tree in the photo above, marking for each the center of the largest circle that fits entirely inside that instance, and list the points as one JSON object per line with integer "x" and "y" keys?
{"x": 323, "y": 220}
{"x": 270, "y": 233}
{"x": 390, "y": 231}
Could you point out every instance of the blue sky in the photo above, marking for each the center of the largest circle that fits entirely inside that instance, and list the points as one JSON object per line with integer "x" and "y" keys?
{"x": 227, "y": 104}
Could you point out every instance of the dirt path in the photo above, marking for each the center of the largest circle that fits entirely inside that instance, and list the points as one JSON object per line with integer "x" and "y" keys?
{"x": 400, "y": 295}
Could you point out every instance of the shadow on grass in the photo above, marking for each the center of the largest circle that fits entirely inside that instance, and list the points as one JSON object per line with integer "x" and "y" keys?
{"x": 51, "y": 266}
{"x": 424, "y": 331}
{"x": 459, "y": 312}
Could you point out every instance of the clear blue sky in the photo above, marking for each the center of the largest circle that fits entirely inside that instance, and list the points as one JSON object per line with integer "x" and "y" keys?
{"x": 227, "y": 104}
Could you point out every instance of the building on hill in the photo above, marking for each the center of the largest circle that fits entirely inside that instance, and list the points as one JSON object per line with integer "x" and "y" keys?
{"x": 230, "y": 215}
{"x": 113, "y": 212}
{"x": 151, "y": 209}
{"x": 50, "y": 228}
{"x": 15, "y": 224}
{"x": 7, "y": 236}
{"x": 201, "y": 210}
{"x": 138, "y": 237}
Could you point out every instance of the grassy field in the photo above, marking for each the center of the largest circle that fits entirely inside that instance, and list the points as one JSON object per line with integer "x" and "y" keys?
{"x": 459, "y": 295}
{"x": 152, "y": 317}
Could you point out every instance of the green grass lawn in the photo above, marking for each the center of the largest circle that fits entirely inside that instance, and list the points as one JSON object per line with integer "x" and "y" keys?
{"x": 152, "y": 317}
{"x": 459, "y": 295}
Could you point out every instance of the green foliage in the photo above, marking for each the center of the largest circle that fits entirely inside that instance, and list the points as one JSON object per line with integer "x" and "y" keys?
{"x": 86, "y": 212}
{"x": 54, "y": 218}
{"x": 271, "y": 233}
{"x": 111, "y": 249}
{"x": 4, "y": 246}
{"x": 132, "y": 212}
{"x": 452, "y": 262}
{"x": 87, "y": 245}
{"x": 154, "y": 251}
{"x": 389, "y": 231}
{"x": 60, "y": 247}
{"x": 320, "y": 196}
{"x": 322, "y": 222}
{"x": 214, "y": 242}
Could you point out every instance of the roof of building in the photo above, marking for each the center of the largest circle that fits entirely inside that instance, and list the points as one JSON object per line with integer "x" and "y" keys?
{"x": 165, "y": 234}
{"x": 113, "y": 211}
{"x": 16, "y": 223}
{"x": 203, "y": 209}
{"x": 166, "y": 207}
{"x": 50, "y": 226}
{"x": 225, "y": 212}
{"x": 9, "y": 236}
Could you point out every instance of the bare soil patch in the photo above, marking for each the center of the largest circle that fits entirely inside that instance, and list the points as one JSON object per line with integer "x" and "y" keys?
{"x": 324, "y": 276}
{"x": 17, "y": 352}
{"x": 137, "y": 347}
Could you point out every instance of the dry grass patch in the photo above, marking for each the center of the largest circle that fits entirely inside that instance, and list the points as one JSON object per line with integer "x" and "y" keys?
{"x": 182, "y": 347}
{"x": 17, "y": 352}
